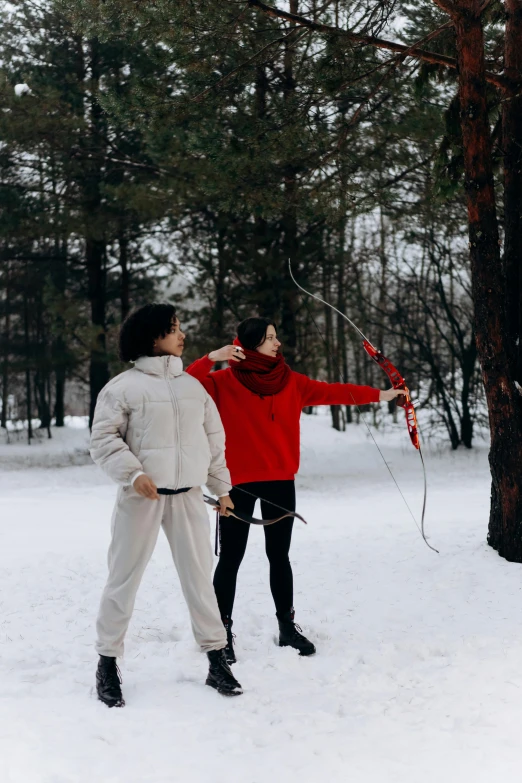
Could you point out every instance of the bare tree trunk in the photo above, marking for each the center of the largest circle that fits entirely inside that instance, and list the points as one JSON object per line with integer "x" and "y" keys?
{"x": 512, "y": 148}
{"x": 346, "y": 265}
{"x": 289, "y": 292}
{"x": 49, "y": 397}
{"x": 489, "y": 292}
{"x": 331, "y": 371}
{"x": 28, "y": 397}
{"x": 7, "y": 330}
{"x": 468, "y": 371}
{"x": 42, "y": 369}
{"x": 95, "y": 242}
{"x": 59, "y": 344}
{"x": 382, "y": 304}
{"x": 218, "y": 313}
{"x": 99, "y": 368}
{"x": 341, "y": 323}
{"x": 59, "y": 281}
{"x": 59, "y": 391}
{"x": 42, "y": 402}
{"x": 123, "y": 244}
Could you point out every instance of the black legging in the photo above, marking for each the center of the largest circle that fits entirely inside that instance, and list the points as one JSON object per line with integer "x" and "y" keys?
{"x": 234, "y": 537}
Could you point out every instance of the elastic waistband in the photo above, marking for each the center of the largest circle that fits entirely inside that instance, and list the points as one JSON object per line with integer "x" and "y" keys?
{"x": 240, "y": 477}
{"x": 162, "y": 491}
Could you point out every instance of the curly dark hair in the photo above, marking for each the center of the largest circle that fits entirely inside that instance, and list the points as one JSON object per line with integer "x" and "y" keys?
{"x": 142, "y": 327}
{"x": 252, "y": 332}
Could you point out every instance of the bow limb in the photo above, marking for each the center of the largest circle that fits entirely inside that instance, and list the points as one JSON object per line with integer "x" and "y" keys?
{"x": 265, "y": 522}
{"x": 252, "y": 520}
{"x": 319, "y": 299}
{"x": 397, "y": 382}
{"x": 424, "y": 504}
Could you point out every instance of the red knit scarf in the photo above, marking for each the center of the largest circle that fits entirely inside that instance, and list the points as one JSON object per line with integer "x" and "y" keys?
{"x": 261, "y": 374}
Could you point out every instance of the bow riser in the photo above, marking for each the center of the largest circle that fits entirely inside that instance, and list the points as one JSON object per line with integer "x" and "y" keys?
{"x": 411, "y": 421}
{"x": 391, "y": 371}
{"x": 398, "y": 382}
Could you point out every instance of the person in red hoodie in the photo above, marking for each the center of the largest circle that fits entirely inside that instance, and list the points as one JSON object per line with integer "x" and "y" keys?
{"x": 260, "y": 400}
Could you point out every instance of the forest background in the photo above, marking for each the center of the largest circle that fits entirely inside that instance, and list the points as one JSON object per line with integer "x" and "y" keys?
{"x": 187, "y": 150}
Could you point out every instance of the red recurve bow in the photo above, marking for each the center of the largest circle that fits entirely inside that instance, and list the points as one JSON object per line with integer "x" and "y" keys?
{"x": 398, "y": 382}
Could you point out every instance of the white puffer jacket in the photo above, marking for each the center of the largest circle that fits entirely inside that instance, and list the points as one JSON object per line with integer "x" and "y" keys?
{"x": 158, "y": 420}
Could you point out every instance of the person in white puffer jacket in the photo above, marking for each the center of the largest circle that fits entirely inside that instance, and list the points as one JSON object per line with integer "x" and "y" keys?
{"x": 156, "y": 428}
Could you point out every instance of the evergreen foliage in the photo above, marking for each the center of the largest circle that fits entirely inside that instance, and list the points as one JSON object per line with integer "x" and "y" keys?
{"x": 200, "y": 145}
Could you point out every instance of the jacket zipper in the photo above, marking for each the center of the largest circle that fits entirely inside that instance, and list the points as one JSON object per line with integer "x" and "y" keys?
{"x": 176, "y": 412}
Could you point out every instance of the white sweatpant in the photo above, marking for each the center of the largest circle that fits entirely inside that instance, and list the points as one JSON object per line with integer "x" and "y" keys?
{"x": 135, "y": 527}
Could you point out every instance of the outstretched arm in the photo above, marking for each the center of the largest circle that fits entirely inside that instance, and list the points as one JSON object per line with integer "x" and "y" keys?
{"x": 322, "y": 393}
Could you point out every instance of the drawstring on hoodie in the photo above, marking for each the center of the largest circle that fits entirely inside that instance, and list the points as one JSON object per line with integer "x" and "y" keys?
{"x": 217, "y": 542}
{"x": 271, "y": 412}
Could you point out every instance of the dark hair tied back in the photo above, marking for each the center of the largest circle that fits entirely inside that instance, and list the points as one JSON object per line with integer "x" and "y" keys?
{"x": 252, "y": 332}
{"x": 142, "y": 327}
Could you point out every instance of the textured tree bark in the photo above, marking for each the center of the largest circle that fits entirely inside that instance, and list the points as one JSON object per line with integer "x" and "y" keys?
{"x": 468, "y": 371}
{"x": 489, "y": 290}
{"x": 512, "y": 149}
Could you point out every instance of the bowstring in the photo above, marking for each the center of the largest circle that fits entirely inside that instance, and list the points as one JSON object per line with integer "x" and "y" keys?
{"x": 252, "y": 495}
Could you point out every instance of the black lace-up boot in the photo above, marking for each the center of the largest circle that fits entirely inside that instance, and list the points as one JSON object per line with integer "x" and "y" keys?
{"x": 108, "y": 682}
{"x": 220, "y": 675}
{"x": 230, "y": 655}
{"x": 290, "y": 636}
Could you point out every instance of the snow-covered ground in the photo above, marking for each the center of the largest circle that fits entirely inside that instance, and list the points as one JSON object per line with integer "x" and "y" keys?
{"x": 68, "y": 446}
{"x": 418, "y": 675}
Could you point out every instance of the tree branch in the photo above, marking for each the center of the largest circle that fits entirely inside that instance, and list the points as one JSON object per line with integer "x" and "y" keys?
{"x": 407, "y": 51}
{"x": 447, "y": 6}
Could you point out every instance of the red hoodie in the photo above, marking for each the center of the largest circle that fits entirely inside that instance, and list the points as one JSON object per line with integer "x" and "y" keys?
{"x": 262, "y": 433}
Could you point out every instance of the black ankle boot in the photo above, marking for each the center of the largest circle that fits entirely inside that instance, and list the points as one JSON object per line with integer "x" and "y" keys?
{"x": 290, "y": 636}
{"x": 108, "y": 682}
{"x": 220, "y": 675}
{"x": 230, "y": 655}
